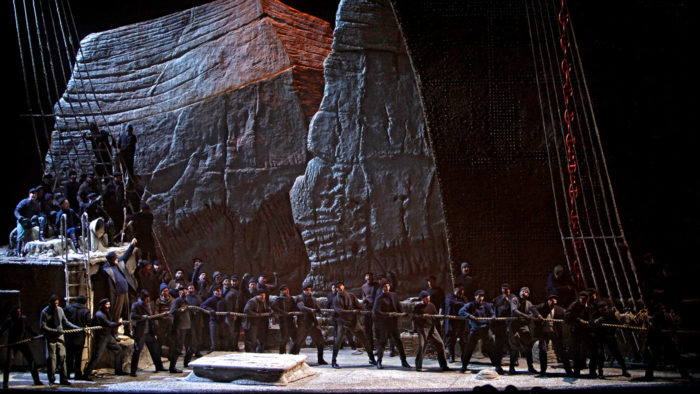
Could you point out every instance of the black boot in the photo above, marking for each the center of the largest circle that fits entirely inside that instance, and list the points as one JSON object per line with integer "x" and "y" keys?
{"x": 379, "y": 361}
{"x": 319, "y": 352}
{"x": 74, "y": 238}
{"x": 543, "y": 363}
{"x": 405, "y": 363}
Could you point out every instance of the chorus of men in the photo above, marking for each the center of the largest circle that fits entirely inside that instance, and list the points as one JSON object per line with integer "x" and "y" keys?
{"x": 160, "y": 320}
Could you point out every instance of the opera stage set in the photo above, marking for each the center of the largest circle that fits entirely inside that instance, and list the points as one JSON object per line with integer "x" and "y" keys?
{"x": 321, "y": 141}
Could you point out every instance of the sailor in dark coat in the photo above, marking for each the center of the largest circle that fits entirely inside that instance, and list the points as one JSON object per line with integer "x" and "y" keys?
{"x": 578, "y": 318}
{"x": 454, "y": 328}
{"x": 213, "y": 304}
{"x": 661, "y": 340}
{"x": 308, "y": 324}
{"x": 255, "y": 325}
{"x": 144, "y": 333}
{"x": 182, "y": 326}
{"x": 477, "y": 312}
{"x": 233, "y": 303}
{"x": 605, "y": 337}
{"x": 53, "y": 322}
{"x": 105, "y": 340}
{"x": 120, "y": 282}
{"x": 387, "y": 325}
{"x": 288, "y": 329}
{"x": 520, "y": 334}
{"x": 369, "y": 290}
{"x": 501, "y": 306}
{"x": 548, "y": 331}
{"x": 18, "y": 327}
{"x": 428, "y": 329}
{"x": 197, "y": 317}
{"x": 78, "y": 314}
{"x": 346, "y": 306}
{"x": 126, "y": 149}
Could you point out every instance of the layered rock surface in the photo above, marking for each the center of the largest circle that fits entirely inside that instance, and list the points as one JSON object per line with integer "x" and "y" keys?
{"x": 369, "y": 199}
{"x": 220, "y": 97}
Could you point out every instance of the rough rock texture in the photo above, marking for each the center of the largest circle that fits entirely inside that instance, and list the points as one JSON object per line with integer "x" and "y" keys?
{"x": 369, "y": 199}
{"x": 220, "y": 97}
{"x": 252, "y": 368}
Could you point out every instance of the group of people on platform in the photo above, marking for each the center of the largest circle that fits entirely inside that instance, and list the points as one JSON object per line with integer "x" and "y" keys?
{"x": 101, "y": 193}
{"x": 177, "y": 313}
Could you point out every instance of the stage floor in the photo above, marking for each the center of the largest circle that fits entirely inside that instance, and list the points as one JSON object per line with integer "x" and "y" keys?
{"x": 356, "y": 375}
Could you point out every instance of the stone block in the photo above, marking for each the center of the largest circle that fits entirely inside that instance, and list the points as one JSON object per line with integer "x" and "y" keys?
{"x": 252, "y": 368}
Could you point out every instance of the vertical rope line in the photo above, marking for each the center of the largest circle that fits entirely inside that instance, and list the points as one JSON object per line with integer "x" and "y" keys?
{"x": 563, "y": 136}
{"x": 546, "y": 137}
{"x": 26, "y": 85}
{"x": 75, "y": 114}
{"x": 55, "y": 84}
{"x": 582, "y": 188}
{"x": 607, "y": 177}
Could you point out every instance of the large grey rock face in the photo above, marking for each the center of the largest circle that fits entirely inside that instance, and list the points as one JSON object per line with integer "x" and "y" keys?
{"x": 220, "y": 97}
{"x": 369, "y": 199}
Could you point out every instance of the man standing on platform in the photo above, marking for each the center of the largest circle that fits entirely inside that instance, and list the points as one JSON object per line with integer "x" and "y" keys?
{"x": 120, "y": 282}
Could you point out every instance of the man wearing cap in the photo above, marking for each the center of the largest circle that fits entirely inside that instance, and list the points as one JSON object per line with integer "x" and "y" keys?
{"x": 308, "y": 324}
{"x": 178, "y": 281}
{"x": 346, "y": 306}
{"x": 454, "y": 328}
{"x": 78, "y": 314}
{"x": 548, "y": 331}
{"x": 73, "y": 225}
{"x": 387, "y": 325}
{"x": 197, "y": 319}
{"x": 126, "y": 148}
{"x": 52, "y": 323}
{"x": 28, "y": 214}
{"x": 578, "y": 318}
{"x": 370, "y": 289}
{"x": 120, "y": 282}
{"x": 182, "y": 326}
{"x": 465, "y": 278}
{"x": 270, "y": 287}
{"x": 329, "y": 305}
{"x": 218, "y": 282}
{"x": 477, "y": 312}
{"x": 214, "y": 304}
{"x": 143, "y": 332}
{"x": 501, "y": 306}
{"x": 105, "y": 340}
{"x": 93, "y": 208}
{"x": 232, "y": 303}
{"x": 520, "y": 337}
{"x": 281, "y": 306}
{"x": 428, "y": 331}
{"x": 70, "y": 189}
{"x": 255, "y": 325}
{"x": 113, "y": 199}
{"x": 164, "y": 324}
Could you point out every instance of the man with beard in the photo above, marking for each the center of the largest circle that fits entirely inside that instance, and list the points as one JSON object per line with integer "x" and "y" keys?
{"x": 182, "y": 326}
{"x": 547, "y": 331}
{"x": 255, "y": 325}
{"x": 387, "y": 325}
{"x": 282, "y": 305}
{"x": 165, "y": 324}
{"x": 105, "y": 340}
{"x": 465, "y": 278}
{"x": 197, "y": 320}
{"x": 520, "y": 337}
{"x": 178, "y": 281}
{"x": 18, "y": 327}
{"x": 428, "y": 331}
{"x": 52, "y": 322}
{"x": 308, "y": 324}
{"x": 78, "y": 314}
{"x": 346, "y": 306}
{"x": 501, "y": 306}
{"x": 143, "y": 333}
{"x": 454, "y": 328}
{"x": 477, "y": 312}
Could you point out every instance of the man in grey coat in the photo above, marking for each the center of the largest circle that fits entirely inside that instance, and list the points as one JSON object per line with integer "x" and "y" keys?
{"x": 52, "y": 322}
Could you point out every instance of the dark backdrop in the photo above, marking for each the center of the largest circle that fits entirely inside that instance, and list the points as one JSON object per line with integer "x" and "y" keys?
{"x": 636, "y": 59}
